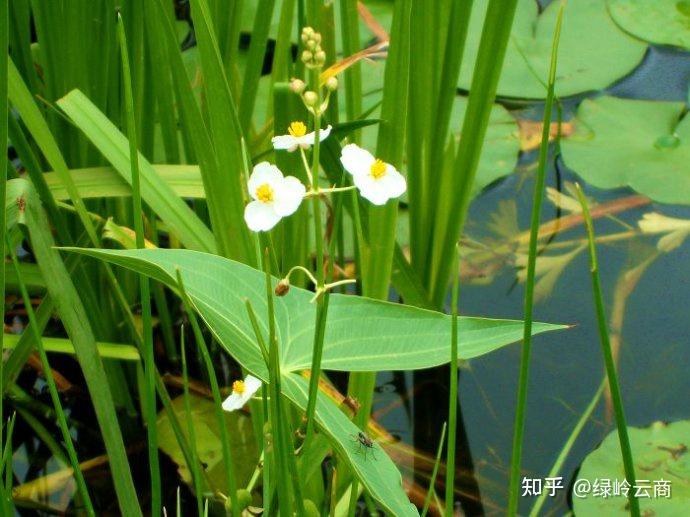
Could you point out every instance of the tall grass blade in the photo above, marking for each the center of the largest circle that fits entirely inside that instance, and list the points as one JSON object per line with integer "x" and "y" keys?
{"x": 609, "y": 362}
{"x": 434, "y": 472}
{"x": 453, "y": 395}
{"x": 226, "y": 135}
{"x": 538, "y": 196}
{"x": 55, "y": 397}
{"x": 144, "y": 286}
{"x": 76, "y": 322}
{"x": 452, "y": 211}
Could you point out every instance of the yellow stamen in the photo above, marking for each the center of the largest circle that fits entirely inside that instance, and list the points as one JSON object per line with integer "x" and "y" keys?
{"x": 238, "y": 387}
{"x": 378, "y": 169}
{"x": 264, "y": 193}
{"x": 297, "y": 129}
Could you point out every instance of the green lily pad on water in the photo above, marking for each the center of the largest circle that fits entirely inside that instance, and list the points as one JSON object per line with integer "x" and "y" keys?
{"x": 662, "y": 22}
{"x": 593, "y": 51}
{"x": 660, "y": 452}
{"x": 208, "y": 442}
{"x": 640, "y": 144}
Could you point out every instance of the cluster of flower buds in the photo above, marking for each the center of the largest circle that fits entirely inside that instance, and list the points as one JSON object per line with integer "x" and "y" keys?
{"x": 313, "y": 55}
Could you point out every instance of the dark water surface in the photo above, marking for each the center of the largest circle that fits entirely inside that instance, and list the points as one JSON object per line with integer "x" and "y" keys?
{"x": 567, "y": 366}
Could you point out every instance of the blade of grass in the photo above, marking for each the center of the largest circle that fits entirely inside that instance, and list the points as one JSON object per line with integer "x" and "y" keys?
{"x": 453, "y": 396}
{"x": 353, "y": 77}
{"x": 180, "y": 219}
{"x": 609, "y": 362}
{"x": 52, "y": 388}
{"x": 226, "y": 134}
{"x": 376, "y": 266}
{"x": 452, "y": 211}
{"x": 255, "y": 62}
{"x": 57, "y": 345}
{"x": 228, "y": 458}
{"x": 434, "y": 472}
{"x": 538, "y": 196}
{"x": 76, "y": 323}
{"x": 144, "y": 286}
{"x": 196, "y": 474}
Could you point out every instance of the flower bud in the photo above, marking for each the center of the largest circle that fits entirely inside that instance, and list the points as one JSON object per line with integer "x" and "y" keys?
{"x": 310, "y": 98}
{"x": 332, "y": 84}
{"x": 307, "y": 56}
{"x": 320, "y": 57}
{"x": 297, "y": 85}
{"x": 283, "y": 287}
{"x": 307, "y": 34}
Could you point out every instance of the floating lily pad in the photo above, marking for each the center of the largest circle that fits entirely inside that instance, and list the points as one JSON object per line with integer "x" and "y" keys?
{"x": 593, "y": 54}
{"x": 660, "y": 452}
{"x": 208, "y": 442}
{"x": 663, "y": 22}
{"x": 640, "y": 144}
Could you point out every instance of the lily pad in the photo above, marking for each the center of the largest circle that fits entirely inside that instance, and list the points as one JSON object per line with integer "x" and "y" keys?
{"x": 593, "y": 54}
{"x": 640, "y": 144}
{"x": 662, "y": 22}
{"x": 660, "y": 454}
{"x": 208, "y": 442}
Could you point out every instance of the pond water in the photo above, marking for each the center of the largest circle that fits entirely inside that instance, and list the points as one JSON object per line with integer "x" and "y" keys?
{"x": 567, "y": 366}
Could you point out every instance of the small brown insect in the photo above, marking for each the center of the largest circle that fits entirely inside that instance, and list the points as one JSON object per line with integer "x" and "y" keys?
{"x": 366, "y": 444}
{"x": 21, "y": 204}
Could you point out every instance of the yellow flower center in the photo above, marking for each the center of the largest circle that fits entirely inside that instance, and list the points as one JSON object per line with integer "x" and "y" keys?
{"x": 238, "y": 387}
{"x": 378, "y": 169}
{"x": 264, "y": 193}
{"x": 297, "y": 129}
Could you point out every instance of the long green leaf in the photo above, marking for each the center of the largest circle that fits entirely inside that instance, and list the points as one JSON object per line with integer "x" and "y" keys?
{"x": 363, "y": 334}
{"x": 179, "y": 218}
{"x": 58, "y": 345}
{"x": 75, "y": 320}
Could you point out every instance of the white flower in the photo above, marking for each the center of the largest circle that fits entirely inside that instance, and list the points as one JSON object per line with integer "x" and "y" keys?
{"x": 242, "y": 391}
{"x": 274, "y": 197}
{"x": 298, "y": 137}
{"x": 376, "y": 180}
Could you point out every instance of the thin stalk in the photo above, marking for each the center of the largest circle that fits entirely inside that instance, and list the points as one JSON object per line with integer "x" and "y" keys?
{"x": 322, "y": 301}
{"x": 519, "y": 427}
{"x": 609, "y": 362}
{"x": 567, "y": 447}
{"x": 196, "y": 474}
{"x": 228, "y": 458}
{"x": 148, "y": 355}
{"x": 434, "y": 472}
{"x": 453, "y": 395}
{"x": 284, "y": 452}
{"x": 52, "y": 388}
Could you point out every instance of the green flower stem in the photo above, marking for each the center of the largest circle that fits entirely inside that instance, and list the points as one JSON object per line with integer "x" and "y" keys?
{"x": 55, "y": 397}
{"x": 434, "y": 472}
{"x": 453, "y": 396}
{"x": 228, "y": 458}
{"x": 608, "y": 359}
{"x": 558, "y": 464}
{"x": 519, "y": 428}
{"x": 322, "y": 301}
{"x": 281, "y": 437}
{"x": 149, "y": 358}
{"x": 196, "y": 473}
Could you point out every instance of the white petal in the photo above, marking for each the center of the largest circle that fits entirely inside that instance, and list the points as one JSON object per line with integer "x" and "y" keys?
{"x": 260, "y": 217}
{"x": 251, "y": 385}
{"x": 264, "y": 173}
{"x": 357, "y": 161}
{"x": 233, "y": 402}
{"x": 309, "y": 138}
{"x": 371, "y": 189}
{"x": 289, "y": 196}
{"x": 238, "y": 400}
{"x": 393, "y": 182}
{"x": 288, "y": 142}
